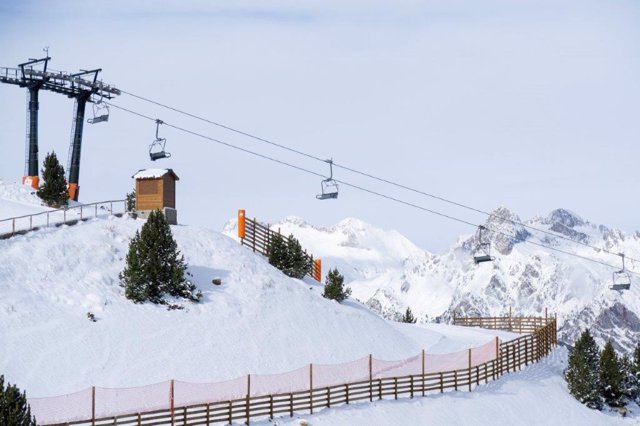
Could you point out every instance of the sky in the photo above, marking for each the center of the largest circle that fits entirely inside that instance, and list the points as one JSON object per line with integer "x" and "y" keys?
{"x": 532, "y": 105}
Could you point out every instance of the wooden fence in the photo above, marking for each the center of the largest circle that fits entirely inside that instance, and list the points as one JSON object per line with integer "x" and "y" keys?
{"x": 258, "y": 237}
{"x": 512, "y": 356}
{"x": 20, "y": 225}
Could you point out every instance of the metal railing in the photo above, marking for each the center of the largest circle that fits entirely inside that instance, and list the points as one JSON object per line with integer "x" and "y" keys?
{"x": 69, "y": 216}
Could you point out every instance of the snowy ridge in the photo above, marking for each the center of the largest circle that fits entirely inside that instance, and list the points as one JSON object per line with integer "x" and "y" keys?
{"x": 389, "y": 273}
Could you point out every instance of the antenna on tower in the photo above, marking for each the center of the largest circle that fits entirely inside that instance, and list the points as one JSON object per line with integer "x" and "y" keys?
{"x": 46, "y": 50}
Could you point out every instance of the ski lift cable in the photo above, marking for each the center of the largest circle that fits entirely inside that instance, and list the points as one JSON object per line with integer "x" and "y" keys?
{"x": 370, "y": 191}
{"x": 374, "y": 177}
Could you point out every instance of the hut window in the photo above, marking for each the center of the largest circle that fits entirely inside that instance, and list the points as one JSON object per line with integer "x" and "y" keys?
{"x": 148, "y": 187}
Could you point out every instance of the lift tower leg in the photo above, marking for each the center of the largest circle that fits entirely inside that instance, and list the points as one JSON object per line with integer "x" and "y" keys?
{"x": 76, "y": 146}
{"x": 31, "y": 169}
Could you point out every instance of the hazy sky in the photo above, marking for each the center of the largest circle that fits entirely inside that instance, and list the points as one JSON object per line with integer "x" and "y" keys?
{"x": 529, "y": 104}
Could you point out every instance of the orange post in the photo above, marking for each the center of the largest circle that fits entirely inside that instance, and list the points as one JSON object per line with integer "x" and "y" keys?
{"x": 241, "y": 224}
{"x": 33, "y": 181}
{"x": 318, "y": 272}
{"x": 74, "y": 189}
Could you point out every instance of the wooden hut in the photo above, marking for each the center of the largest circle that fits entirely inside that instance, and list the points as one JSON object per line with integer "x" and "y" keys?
{"x": 156, "y": 190}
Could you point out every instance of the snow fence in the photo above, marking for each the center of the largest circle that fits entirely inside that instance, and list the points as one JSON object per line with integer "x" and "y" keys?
{"x": 97, "y": 402}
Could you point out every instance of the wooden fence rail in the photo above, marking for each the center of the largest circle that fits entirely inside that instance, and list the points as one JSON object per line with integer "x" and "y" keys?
{"x": 512, "y": 356}
{"x": 258, "y": 237}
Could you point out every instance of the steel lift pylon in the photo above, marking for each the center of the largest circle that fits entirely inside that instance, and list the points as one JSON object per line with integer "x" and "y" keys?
{"x": 35, "y": 76}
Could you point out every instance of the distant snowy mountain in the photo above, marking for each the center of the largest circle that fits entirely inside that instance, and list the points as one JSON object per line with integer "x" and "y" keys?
{"x": 388, "y": 272}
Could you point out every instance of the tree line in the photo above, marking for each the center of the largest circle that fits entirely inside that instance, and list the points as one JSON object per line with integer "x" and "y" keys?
{"x": 602, "y": 377}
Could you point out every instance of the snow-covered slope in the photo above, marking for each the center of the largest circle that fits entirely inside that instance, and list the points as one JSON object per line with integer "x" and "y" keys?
{"x": 18, "y": 200}
{"x": 388, "y": 273}
{"x": 534, "y": 396}
{"x": 257, "y": 321}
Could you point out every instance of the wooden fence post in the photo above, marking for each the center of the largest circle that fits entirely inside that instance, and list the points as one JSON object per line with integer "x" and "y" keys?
{"x": 469, "y": 369}
{"x": 370, "y": 378}
{"x": 93, "y": 405}
{"x": 248, "y": 396}
{"x": 328, "y": 397}
{"x": 311, "y": 387}
{"x": 423, "y": 363}
{"x": 171, "y": 398}
{"x": 496, "y": 374}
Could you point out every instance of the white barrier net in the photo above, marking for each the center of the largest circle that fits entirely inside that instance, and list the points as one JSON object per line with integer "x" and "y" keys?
{"x": 338, "y": 374}
{"x": 485, "y": 353}
{"x": 111, "y": 402}
{"x": 411, "y": 366}
{"x": 435, "y": 363}
{"x": 201, "y": 393}
{"x": 272, "y": 384}
{"x": 64, "y": 408}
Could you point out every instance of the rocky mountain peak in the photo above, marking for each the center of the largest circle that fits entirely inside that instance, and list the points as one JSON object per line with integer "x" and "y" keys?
{"x": 565, "y": 218}
{"x": 506, "y": 230}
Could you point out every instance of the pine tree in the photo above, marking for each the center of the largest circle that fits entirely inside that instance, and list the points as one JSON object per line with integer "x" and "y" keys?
{"x": 288, "y": 256}
{"x": 299, "y": 262}
{"x": 14, "y": 409}
{"x": 611, "y": 377}
{"x": 634, "y": 375}
{"x": 155, "y": 266}
{"x": 408, "y": 317}
{"x": 278, "y": 252}
{"x": 582, "y": 374}
{"x": 131, "y": 201}
{"x": 53, "y": 190}
{"x": 334, "y": 286}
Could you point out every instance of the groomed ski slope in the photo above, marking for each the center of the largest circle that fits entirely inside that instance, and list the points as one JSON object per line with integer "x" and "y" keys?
{"x": 258, "y": 321}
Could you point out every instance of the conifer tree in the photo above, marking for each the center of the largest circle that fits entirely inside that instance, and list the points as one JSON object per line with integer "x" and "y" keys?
{"x": 299, "y": 262}
{"x": 408, "y": 316}
{"x": 131, "y": 200}
{"x": 155, "y": 267}
{"x": 634, "y": 375}
{"x": 334, "y": 286}
{"x": 288, "y": 256}
{"x": 582, "y": 373}
{"x": 611, "y": 377}
{"x": 53, "y": 190}
{"x": 14, "y": 409}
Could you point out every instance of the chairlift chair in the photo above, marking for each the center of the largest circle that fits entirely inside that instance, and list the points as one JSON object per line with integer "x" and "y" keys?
{"x": 621, "y": 278}
{"x": 328, "y": 186}
{"x": 157, "y": 147}
{"x": 100, "y": 112}
{"x": 483, "y": 249}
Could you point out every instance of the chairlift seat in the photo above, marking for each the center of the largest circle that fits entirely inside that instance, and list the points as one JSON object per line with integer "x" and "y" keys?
{"x": 327, "y": 196}
{"x": 482, "y": 258}
{"x": 329, "y": 190}
{"x": 98, "y": 119}
{"x": 159, "y": 155}
{"x": 621, "y": 286}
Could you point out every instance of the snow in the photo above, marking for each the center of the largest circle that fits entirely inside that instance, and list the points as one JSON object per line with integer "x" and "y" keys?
{"x": 536, "y": 395}
{"x": 151, "y": 173}
{"x": 389, "y": 273}
{"x": 257, "y": 321}
{"x": 18, "y": 200}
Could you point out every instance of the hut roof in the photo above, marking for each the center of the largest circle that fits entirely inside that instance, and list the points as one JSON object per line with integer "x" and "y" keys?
{"x": 154, "y": 174}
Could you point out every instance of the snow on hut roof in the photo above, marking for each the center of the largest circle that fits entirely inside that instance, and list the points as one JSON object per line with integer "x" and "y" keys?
{"x": 154, "y": 174}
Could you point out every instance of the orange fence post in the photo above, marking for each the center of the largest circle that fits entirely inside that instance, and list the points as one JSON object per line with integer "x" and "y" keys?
{"x": 241, "y": 224}
{"x": 318, "y": 270}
